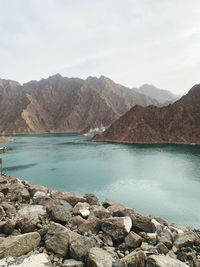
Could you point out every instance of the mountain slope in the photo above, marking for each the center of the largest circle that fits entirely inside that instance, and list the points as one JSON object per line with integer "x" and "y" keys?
{"x": 60, "y": 104}
{"x": 162, "y": 96}
{"x": 176, "y": 123}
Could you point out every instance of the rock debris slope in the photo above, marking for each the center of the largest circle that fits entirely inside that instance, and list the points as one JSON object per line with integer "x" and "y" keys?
{"x": 176, "y": 123}
{"x": 42, "y": 227}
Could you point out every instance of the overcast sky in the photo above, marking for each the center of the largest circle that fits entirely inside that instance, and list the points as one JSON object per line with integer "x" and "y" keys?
{"x": 130, "y": 41}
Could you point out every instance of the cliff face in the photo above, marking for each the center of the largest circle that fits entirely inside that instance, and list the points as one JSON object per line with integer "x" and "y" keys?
{"x": 176, "y": 123}
{"x": 63, "y": 104}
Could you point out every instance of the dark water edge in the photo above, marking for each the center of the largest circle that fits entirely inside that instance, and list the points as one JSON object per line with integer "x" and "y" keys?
{"x": 164, "y": 183}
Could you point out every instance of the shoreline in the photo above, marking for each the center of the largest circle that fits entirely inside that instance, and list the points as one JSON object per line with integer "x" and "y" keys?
{"x": 144, "y": 143}
{"x": 63, "y": 229}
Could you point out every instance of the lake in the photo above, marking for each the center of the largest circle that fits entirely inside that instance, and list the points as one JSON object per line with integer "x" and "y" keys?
{"x": 161, "y": 180}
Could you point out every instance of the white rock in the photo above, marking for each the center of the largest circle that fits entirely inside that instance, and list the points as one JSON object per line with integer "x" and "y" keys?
{"x": 127, "y": 223}
{"x": 39, "y": 260}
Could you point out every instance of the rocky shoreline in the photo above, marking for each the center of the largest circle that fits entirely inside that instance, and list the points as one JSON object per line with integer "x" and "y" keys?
{"x": 43, "y": 227}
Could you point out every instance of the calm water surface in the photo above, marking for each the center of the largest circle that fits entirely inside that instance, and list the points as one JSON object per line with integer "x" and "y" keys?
{"x": 165, "y": 183}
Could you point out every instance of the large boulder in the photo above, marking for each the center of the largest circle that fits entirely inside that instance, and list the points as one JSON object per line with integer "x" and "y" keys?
{"x": 80, "y": 247}
{"x": 164, "y": 261}
{"x": 91, "y": 199}
{"x": 42, "y": 198}
{"x": 53, "y": 228}
{"x": 133, "y": 240}
{"x": 99, "y": 212}
{"x": 116, "y": 209}
{"x": 166, "y": 237}
{"x": 135, "y": 258}
{"x": 90, "y": 225}
{"x": 71, "y": 198}
{"x": 16, "y": 246}
{"x": 9, "y": 209}
{"x": 29, "y": 216}
{"x": 7, "y": 226}
{"x": 33, "y": 188}
{"x": 60, "y": 242}
{"x": 39, "y": 260}
{"x": 59, "y": 213}
{"x": 98, "y": 257}
{"x": 143, "y": 223}
{"x": 117, "y": 227}
{"x": 82, "y": 209}
{"x": 187, "y": 239}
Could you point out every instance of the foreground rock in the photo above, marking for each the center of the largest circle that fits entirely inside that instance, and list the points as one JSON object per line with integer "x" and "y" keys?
{"x": 18, "y": 245}
{"x": 98, "y": 257}
{"x": 43, "y": 227}
{"x": 39, "y": 260}
{"x": 164, "y": 261}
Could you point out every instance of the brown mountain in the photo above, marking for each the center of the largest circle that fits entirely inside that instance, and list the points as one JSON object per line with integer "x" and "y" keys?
{"x": 176, "y": 123}
{"x": 60, "y": 104}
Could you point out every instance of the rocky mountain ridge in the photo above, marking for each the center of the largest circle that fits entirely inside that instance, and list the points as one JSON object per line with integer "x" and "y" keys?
{"x": 164, "y": 97}
{"x": 43, "y": 227}
{"x": 175, "y": 123}
{"x": 59, "y": 104}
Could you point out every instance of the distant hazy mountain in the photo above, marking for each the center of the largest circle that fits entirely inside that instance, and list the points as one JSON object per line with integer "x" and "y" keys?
{"x": 162, "y": 96}
{"x": 176, "y": 123}
{"x": 60, "y": 104}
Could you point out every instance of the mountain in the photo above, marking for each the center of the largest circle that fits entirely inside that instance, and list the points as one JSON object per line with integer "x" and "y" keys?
{"x": 59, "y": 104}
{"x": 164, "y": 97}
{"x": 176, "y": 123}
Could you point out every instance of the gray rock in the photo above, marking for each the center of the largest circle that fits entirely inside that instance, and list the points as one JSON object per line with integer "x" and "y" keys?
{"x": 42, "y": 198}
{"x": 116, "y": 209}
{"x": 39, "y": 260}
{"x": 163, "y": 261}
{"x": 29, "y": 216}
{"x": 9, "y": 209}
{"x": 117, "y": 227}
{"x": 91, "y": 199}
{"x": 98, "y": 257}
{"x": 82, "y": 209}
{"x": 186, "y": 239}
{"x": 16, "y": 246}
{"x": 25, "y": 196}
{"x": 133, "y": 240}
{"x": 151, "y": 238}
{"x": 59, "y": 213}
{"x": 161, "y": 248}
{"x": 92, "y": 224}
{"x": 76, "y": 221}
{"x": 108, "y": 202}
{"x": 60, "y": 241}
{"x": 143, "y": 223}
{"x": 54, "y": 228}
{"x": 33, "y": 188}
{"x": 7, "y": 226}
{"x": 72, "y": 263}
{"x": 80, "y": 247}
{"x": 166, "y": 238}
{"x": 99, "y": 212}
{"x": 136, "y": 259}
{"x": 67, "y": 196}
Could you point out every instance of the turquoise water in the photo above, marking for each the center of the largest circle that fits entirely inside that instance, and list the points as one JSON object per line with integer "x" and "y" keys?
{"x": 165, "y": 183}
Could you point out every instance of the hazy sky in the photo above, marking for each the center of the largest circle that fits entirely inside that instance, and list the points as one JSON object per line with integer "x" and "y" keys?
{"x": 130, "y": 41}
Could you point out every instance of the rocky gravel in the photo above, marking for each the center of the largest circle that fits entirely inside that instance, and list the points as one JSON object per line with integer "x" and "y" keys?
{"x": 43, "y": 227}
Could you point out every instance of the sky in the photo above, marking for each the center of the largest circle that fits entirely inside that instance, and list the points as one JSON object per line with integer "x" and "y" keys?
{"x": 132, "y": 42}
